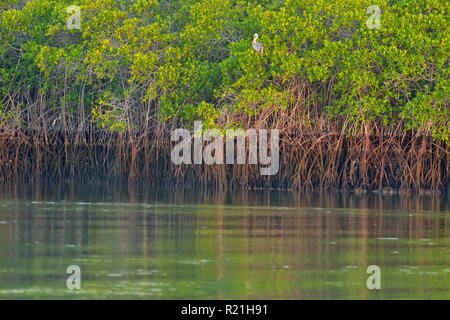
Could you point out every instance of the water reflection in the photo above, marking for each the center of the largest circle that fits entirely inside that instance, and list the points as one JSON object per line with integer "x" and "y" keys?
{"x": 137, "y": 243}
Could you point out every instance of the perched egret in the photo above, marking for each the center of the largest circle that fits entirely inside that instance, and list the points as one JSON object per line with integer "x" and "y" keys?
{"x": 257, "y": 45}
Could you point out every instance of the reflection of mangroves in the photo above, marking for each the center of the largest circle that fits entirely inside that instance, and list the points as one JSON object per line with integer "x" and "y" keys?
{"x": 238, "y": 244}
{"x": 251, "y": 213}
{"x": 359, "y": 92}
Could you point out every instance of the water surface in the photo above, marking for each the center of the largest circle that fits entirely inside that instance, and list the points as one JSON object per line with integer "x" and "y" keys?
{"x": 147, "y": 244}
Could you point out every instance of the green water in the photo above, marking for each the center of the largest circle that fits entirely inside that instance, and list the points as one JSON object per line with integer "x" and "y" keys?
{"x": 144, "y": 244}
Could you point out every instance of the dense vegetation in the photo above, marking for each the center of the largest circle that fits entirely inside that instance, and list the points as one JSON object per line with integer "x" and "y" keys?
{"x": 362, "y": 107}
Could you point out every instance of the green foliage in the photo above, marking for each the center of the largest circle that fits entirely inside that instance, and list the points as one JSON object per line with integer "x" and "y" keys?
{"x": 193, "y": 59}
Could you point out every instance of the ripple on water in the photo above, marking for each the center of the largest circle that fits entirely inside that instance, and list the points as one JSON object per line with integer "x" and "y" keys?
{"x": 114, "y": 275}
{"x": 197, "y": 261}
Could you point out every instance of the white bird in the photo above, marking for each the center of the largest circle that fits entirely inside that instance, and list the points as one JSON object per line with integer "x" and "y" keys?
{"x": 256, "y": 45}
